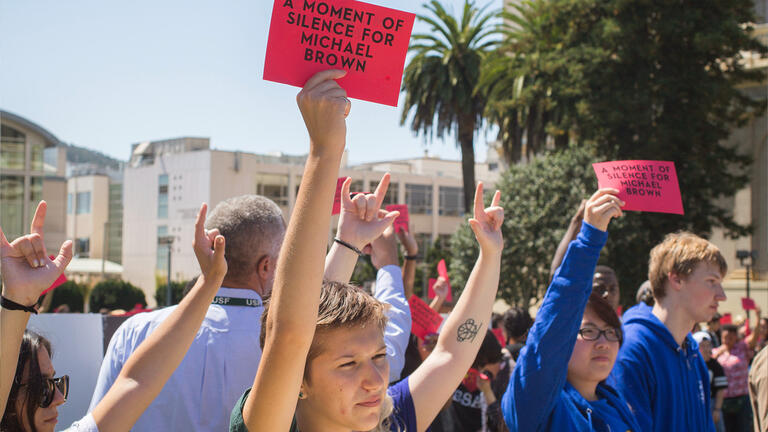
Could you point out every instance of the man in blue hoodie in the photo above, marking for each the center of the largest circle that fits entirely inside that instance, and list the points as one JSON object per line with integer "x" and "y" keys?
{"x": 659, "y": 369}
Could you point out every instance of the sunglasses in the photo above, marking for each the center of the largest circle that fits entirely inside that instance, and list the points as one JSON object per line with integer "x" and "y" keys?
{"x": 594, "y": 333}
{"x": 50, "y": 385}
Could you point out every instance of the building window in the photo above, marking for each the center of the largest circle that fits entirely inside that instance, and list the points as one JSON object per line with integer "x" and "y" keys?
{"x": 36, "y": 157}
{"x": 12, "y": 207}
{"x": 12, "y": 151}
{"x": 391, "y": 196}
{"x": 70, "y": 207}
{"x": 424, "y": 241}
{"x": 451, "y": 201}
{"x": 418, "y": 198}
{"x": 162, "y": 196}
{"x": 163, "y": 249}
{"x": 83, "y": 202}
{"x": 83, "y": 247}
{"x": 357, "y": 186}
{"x": 35, "y": 195}
{"x": 274, "y": 187}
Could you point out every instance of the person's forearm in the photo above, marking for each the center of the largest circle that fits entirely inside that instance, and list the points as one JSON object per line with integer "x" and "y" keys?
{"x": 340, "y": 263}
{"x": 719, "y": 397}
{"x": 293, "y": 310}
{"x": 12, "y": 325}
{"x": 409, "y": 276}
{"x": 437, "y": 303}
{"x": 489, "y": 396}
{"x": 152, "y": 364}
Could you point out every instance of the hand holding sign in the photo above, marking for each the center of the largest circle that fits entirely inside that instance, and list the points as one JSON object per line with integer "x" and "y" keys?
{"x": 601, "y": 207}
{"x": 27, "y": 270}
{"x": 440, "y": 287}
{"x": 324, "y": 107}
{"x": 368, "y": 41}
{"x": 644, "y": 185}
{"x": 401, "y": 223}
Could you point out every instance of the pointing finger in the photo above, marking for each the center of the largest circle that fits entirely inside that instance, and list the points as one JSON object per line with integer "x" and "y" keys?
{"x": 381, "y": 189}
{"x": 38, "y": 221}
{"x": 479, "y": 210}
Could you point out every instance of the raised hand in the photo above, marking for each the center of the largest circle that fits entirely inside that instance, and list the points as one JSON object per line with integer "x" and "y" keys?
{"x": 487, "y": 222}
{"x": 361, "y": 220}
{"x": 209, "y": 248}
{"x": 441, "y": 288}
{"x": 26, "y": 269}
{"x": 384, "y": 249}
{"x": 408, "y": 241}
{"x": 324, "y": 106}
{"x": 601, "y": 207}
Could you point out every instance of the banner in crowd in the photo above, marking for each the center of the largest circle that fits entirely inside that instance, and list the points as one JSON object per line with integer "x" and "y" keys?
{"x": 401, "y": 223}
{"x": 643, "y": 185}
{"x": 368, "y": 41}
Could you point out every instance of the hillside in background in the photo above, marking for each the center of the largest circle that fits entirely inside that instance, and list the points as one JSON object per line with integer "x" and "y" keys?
{"x": 82, "y": 155}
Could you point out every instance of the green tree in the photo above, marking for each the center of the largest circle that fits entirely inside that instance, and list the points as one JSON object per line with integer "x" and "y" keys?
{"x": 538, "y": 199}
{"x": 177, "y": 293}
{"x": 115, "y": 294}
{"x": 441, "y": 78}
{"x": 71, "y": 294}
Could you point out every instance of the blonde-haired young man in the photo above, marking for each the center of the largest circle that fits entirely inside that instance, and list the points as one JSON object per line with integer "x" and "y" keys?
{"x": 659, "y": 369}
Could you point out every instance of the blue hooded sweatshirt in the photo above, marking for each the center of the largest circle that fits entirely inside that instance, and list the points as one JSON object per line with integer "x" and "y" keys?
{"x": 538, "y": 397}
{"x": 666, "y": 385}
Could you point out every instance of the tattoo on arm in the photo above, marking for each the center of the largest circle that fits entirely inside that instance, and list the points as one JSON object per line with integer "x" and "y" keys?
{"x": 468, "y": 331}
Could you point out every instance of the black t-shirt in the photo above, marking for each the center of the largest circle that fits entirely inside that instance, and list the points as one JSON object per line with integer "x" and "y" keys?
{"x": 514, "y": 349}
{"x": 717, "y": 378}
{"x": 466, "y": 409}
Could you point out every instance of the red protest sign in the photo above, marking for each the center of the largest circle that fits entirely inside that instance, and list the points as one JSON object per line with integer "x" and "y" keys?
{"x": 401, "y": 222}
{"x": 368, "y": 41}
{"x": 747, "y": 304}
{"x": 442, "y": 271}
{"x": 424, "y": 319}
{"x": 643, "y": 185}
{"x": 337, "y": 197}
{"x": 726, "y": 319}
{"x": 499, "y": 335}
{"x": 431, "y": 290}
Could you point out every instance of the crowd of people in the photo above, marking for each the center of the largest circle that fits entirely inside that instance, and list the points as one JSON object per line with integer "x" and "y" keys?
{"x": 272, "y": 337}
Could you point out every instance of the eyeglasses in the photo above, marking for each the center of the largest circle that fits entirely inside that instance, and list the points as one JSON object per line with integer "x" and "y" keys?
{"x": 49, "y": 389}
{"x": 594, "y": 333}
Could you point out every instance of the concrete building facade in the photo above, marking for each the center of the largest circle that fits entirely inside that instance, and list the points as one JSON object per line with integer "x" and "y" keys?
{"x": 166, "y": 181}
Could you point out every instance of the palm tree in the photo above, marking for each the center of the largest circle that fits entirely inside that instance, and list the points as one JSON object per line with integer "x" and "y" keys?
{"x": 441, "y": 78}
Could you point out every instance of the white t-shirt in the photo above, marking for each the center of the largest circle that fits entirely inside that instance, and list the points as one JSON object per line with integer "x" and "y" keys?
{"x": 85, "y": 424}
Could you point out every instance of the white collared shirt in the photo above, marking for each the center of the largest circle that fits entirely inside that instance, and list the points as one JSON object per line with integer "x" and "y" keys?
{"x": 220, "y": 365}
{"x": 389, "y": 289}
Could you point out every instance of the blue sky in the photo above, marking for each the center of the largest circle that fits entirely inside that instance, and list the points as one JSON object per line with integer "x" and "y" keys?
{"x": 104, "y": 74}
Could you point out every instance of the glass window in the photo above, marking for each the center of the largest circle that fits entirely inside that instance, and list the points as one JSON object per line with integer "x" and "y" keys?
{"x": 391, "y": 196}
{"x": 162, "y": 197}
{"x": 451, "y": 201}
{"x": 83, "y": 203}
{"x": 11, "y": 154}
{"x": 163, "y": 249}
{"x": 12, "y": 207}
{"x": 418, "y": 198}
{"x": 83, "y": 247}
{"x": 357, "y": 186}
{"x": 274, "y": 187}
{"x": 35, "y": 195}
{"x": 424, "y": 241}
{"x": 69, "y": 203}
{"x": 36, "y": 157}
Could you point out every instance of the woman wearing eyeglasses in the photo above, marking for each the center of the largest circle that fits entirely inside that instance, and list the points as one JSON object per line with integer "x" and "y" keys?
{"x": 30, "y": 394}
{"x": 559, "y": 381}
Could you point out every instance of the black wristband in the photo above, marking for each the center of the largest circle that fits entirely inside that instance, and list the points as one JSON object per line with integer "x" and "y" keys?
{"x": 348, "y": 246}
{"x": 411, "y": 257}
{"x": 12, "y": 305}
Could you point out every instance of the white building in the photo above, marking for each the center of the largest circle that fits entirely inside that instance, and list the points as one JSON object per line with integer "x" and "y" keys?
{"x": 166, "y": 181}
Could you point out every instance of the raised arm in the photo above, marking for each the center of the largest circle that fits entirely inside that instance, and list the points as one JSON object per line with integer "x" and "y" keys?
{"x": 361, "y": 221}
{"x": 541, "y": 370}
{"x": 389, "y": 290}
{"x": 409, "y": 263}
{"x": 149, "y": 367}
{"x": 26, "y": 272}
{"x": 433, "y": 382}
{"x": 296, "y": 294}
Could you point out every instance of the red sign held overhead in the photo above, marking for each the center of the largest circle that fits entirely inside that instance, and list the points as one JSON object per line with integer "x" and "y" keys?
{"x": 424, "y": 320}
{"x": 368, "y": 41}
{"x": 747, "y": 304}
{"x": 643, "y": 185}
{"x": 401, "y": 222}
{"x": 337, "y": 197}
